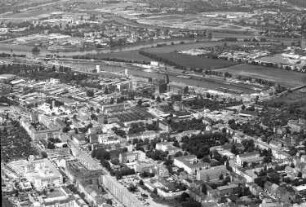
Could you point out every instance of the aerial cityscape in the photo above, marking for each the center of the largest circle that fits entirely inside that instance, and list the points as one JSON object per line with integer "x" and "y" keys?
{"x": 153, "y": 103}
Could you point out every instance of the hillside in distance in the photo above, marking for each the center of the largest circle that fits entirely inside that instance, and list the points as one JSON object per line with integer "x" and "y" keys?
{"x": 299, "y": 3}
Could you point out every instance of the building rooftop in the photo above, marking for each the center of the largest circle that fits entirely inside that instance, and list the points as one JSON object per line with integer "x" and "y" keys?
{"x": 250, "y": 154}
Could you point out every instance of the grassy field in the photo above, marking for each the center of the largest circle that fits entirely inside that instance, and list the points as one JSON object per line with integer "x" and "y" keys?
{"x": 283, "y": 77}
{"x": 195, "y": 61}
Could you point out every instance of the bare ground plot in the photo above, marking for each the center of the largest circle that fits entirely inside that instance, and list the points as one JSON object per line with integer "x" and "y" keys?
{"x": 282, "y": 77}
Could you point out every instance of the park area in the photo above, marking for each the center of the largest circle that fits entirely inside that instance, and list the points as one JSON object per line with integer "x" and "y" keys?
{"x": 283, "y": 77}
{"x": 15, "y": 142}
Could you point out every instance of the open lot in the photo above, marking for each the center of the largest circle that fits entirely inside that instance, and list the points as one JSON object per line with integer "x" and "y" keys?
{"x": 283, "y": 77}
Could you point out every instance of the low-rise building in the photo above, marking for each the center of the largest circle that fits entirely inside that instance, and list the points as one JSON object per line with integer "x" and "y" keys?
{"x": 79, "y": 173}
{"x": 228, "y": 189}
{"x": 40, "y": 132}
{"x": 252, "y": 157}
{"x": 59, "y": 197}
{"x": 167, "y": 147}
{"x": 41, "y": 173}
{"x": 132, "y": 156}
{"x": 211, "y": 174}
{"x": 108, "y": 139}
{"x": 189, "y": 163}
{"x": 297, "y": 125}
{"x": 144, "y": 135}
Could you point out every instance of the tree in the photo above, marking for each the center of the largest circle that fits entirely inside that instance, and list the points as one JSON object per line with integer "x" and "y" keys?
{"x": 210, "y": 35}
{"x": 141, "y": 182}
{"x": 221, "y": 177}
{"x": 112, "y": 101}
{"x": 115, "y": 162}
{"x": 293, "y": 151}
{"x": 186, "y": 90}
{"x": 155, "y": 191}
{"x": 184, "y": 197}
{"x": 158, "y": 99}
{"x": 132, "y": 188}
{"x": 44, "y": 154}
{"x": 207, "y": 178}
{"x": 206, "y": 159}
{"x": 248, "y": 144}
{"x": 93, "y": 117}
{"x": 178, "y": 154}
{"x": 176, "y": 143}
{"x": 168, "y": 162}
{"x": 66, "y": 129}
{"x": 243, "y": 107}
{"x": 234, "y": 149}
{"x": 109, "y": 201}
{"x": 89, "y": 93}
{"x": 139, "y": 103}
{"x": 51, "y": 145}
{"x": 35, "y": 50}
{"x": 106, "y": 91}
{"x": 191, "y": 203}
{"x": 204, "y": 189}
{"x": 101, "y": 154}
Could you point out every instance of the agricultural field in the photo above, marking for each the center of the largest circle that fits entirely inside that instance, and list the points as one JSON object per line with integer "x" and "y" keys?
{"x": 283, "y": 77}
